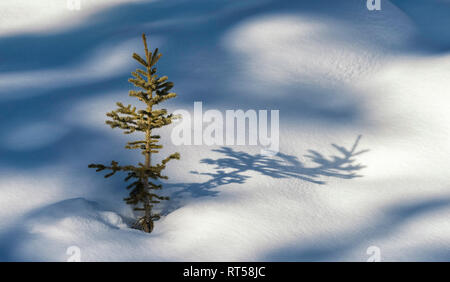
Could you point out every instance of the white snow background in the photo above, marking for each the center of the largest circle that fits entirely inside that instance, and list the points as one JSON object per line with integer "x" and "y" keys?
{"x": 334, "y": 70}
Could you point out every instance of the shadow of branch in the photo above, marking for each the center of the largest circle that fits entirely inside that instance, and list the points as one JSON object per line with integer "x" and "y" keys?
{"x": 233, "y": 166}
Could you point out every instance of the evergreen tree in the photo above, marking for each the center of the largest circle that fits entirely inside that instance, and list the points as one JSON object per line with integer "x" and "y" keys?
{"x": 153, "y": 90}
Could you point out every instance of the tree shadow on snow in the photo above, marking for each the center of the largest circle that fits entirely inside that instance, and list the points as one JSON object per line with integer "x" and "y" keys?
{"x": 234, "y": 166}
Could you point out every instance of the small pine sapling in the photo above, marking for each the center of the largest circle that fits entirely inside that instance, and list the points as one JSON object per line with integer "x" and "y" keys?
{"x": 153, "y": 90}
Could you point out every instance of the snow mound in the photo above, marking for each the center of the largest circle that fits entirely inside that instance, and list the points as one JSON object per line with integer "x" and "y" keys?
{"x": 47, "y": 233}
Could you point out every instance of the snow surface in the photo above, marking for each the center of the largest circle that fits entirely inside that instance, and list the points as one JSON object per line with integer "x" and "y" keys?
{"x": 334, "y": 70}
